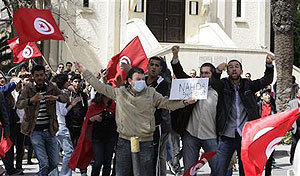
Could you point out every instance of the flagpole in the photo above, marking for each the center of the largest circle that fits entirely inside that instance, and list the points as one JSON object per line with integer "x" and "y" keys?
{"x": 70, "y": 51}
{"x": 47, "y": 63}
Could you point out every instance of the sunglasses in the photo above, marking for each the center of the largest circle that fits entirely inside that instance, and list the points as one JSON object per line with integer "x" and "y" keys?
{"x": 24, "y": 76}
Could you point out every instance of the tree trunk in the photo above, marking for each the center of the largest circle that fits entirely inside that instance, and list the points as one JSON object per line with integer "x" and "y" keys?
{"x": 284, "y": 52}
{"x": 283, "y": 13}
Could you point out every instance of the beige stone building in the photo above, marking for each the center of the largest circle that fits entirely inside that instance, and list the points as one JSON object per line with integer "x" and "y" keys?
{"x": 206, "y": 30}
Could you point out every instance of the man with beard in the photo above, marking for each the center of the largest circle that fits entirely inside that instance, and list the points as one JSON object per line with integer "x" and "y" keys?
{"x": 237, "y": 106}
{"x": 38, "y": 99}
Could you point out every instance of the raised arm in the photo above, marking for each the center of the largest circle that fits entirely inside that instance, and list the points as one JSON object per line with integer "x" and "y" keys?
{"x": 100, "y": 87}
{"x": 165, "y": 103}
{"x": 176, "y": 66}
{"x": 267, "y": 79}
{"x": 8, "y": 88}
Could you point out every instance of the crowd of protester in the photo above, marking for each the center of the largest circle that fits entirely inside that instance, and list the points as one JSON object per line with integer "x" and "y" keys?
{"x": 78, "y": 116}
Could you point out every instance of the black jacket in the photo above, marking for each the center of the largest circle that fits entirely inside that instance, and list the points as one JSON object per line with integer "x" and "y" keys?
{"x": 75, "y": 117}
{"x": 4, "y": 119}
{"x": 181, "y": 117}
{"x": 247, "y": 90}
{"x": 162, "y": 87}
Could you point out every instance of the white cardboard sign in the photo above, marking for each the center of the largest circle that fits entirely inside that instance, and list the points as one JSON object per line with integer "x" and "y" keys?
{"x": 182, "y": 89}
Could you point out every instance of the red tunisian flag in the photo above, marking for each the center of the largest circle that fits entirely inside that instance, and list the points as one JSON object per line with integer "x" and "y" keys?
{"x": 23, "y": 52}
{"x": 205, "y": 157}
{"x": 260, "y": 137}
{"x": 5, "y": 144}
{"x": 35, "y": 25}
{"x": 132, "y": 54}
{"x": 83, "y": 153}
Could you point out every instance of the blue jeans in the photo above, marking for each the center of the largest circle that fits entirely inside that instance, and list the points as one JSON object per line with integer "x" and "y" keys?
{"x": 103, "y": 153}
{"x": 124, "y": 159}
{"x": 65, "y": 142}
{"x": 226, "y": 148}
{"x": 46, "y": 149}
{"x": 174, "y": 150}
{"x": 191, "y": 150}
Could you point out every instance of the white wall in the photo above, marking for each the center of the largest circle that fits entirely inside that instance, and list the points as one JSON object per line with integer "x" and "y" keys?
{"x": 103, "y": 25}
{"x": 92, "y": 33}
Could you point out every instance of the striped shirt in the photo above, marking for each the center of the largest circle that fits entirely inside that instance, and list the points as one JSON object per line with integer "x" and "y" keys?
{"x": 42, "y": 121}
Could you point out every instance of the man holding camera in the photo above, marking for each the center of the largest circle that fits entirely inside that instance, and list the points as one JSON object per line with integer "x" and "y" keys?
{"x": 75, "y": 116}
{"x": 38, "y": 99}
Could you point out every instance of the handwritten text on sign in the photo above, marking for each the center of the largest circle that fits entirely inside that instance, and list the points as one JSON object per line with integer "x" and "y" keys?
{"x": 192, "y": 87}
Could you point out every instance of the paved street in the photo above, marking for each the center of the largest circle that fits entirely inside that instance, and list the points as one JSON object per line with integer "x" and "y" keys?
{"x": 281, "y": 159}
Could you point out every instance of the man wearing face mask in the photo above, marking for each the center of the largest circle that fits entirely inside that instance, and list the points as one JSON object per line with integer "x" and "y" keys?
{"x": 136, "y": 104}
{"x": 237, "y": 106}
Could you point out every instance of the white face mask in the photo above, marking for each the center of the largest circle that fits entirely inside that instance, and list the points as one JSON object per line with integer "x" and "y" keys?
{"x": 139, "y": 85}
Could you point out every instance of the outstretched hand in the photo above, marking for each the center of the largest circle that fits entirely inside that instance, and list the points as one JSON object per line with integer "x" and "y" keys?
{"x": 191, "y": 100}
{"x": 79, "y": 67}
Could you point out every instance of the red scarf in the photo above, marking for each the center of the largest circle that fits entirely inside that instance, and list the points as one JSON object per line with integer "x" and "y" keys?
{"x": 265, "y": 110}
{"x": 83, "y": 153}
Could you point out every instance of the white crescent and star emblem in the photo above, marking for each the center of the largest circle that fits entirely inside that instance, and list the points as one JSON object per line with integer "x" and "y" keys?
{"x": 27, "y": 52}
{"x": 194, "y": 169}
{"x": 43, "y": 26}
{"x": 262, "y": 132}
{"x": 124, "y": 60}
{"x": 271, "y": 146}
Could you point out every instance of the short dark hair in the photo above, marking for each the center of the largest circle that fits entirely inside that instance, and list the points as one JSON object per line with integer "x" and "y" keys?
{"x": 61, "y": 64}
{"x": 60, "y": 80}
{"x": 293, "y": 79}
{"x": 69, "y": 63}
{"x": 38, "y": 68}
{"x": 211, "y": 66}
{"x": 234, "y": 60}
{"x": 75, "y": 76}
{"x": 24, "y": 66}
{"x": 155, "y": 58}
{"x": 265, "y": 90}
{"x": 131, "y": 72}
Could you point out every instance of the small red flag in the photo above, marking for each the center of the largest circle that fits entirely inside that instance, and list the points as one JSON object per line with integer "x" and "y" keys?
{"x": 23, "y": 52}
{"x": 260, "y": 137}
{"x": 132, "y": 54}
{"x": 205, "y": 157}
{"x": 5, "y": 145}
{"x": 35, "y": 25}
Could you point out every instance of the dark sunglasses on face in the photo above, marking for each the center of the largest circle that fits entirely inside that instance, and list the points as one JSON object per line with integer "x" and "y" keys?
{"x": 24, "y": 76}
